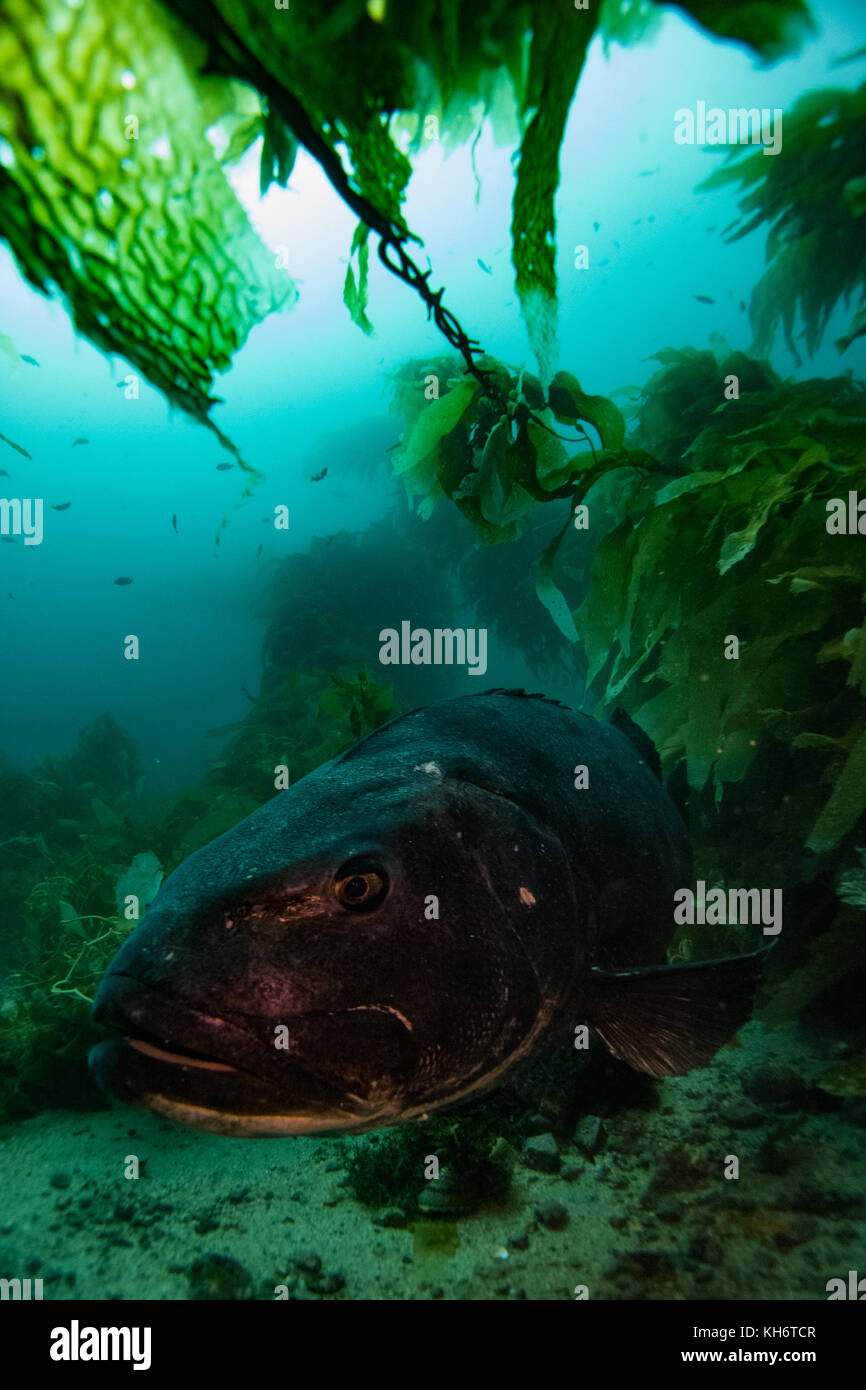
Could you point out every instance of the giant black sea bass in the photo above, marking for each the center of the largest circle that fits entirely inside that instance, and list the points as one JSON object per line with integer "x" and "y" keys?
{"x": 413, "y": 921}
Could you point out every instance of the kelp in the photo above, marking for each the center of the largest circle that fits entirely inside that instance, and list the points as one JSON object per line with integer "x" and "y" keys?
{"x": 496, "y": 454}
{"x": 812, "y": 195}
{"x": 738, "y": 548}
{"x": 144, "y": 236}
{"x": 111, "y": 193}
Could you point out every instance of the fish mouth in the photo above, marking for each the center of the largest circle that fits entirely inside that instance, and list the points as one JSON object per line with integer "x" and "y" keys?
{"x": 209, "y": 1072}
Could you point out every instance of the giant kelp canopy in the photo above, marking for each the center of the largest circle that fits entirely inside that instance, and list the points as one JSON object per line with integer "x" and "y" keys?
{"x": 112, "y": 192}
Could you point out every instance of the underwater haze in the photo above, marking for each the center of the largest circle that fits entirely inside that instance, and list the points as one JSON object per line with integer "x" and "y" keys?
{"x": 263, "y": 490}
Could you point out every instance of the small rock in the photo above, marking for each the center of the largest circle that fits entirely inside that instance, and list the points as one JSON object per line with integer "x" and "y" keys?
{"x": 391, "y": 1216}
{"x": 219, "y": 1277}
{"x": 536, "y": 1124}
{"x": 541, "y": 1152}
{"x": 772, "y": 1084}
{"x": 326, "y": 1283}
{"x": 60, "y": 1179}
{"x": 590, "y": 1134}
{"x": 552, "y": 1215}
{"x": 307, "y": 1261}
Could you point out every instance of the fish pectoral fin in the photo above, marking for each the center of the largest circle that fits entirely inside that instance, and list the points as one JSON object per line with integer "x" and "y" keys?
{"x": 667, "y": 1019}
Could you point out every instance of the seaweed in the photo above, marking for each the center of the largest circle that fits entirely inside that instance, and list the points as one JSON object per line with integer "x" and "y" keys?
{"x": 811, "y": 194}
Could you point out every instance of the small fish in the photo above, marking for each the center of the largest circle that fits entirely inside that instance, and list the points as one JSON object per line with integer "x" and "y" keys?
{"x": 223, "y": 467}
{"x": 10, "y": 596}
{"x": 10, "y": 540}
{"x": 60, "y": 506}
{"x": 605, "y": 260}
{"x": 712, "y": 229}
{"x": 124, "y": 579}
{"x": 120, "y": 385}
{"x": 637, "y": 221}
{"x": 260, "y": 549}
{"x": 484, "y": 267}
{"x": 317, "y": 477}
{"x": 216, "y": 540}
{"x": 174, "y": 522}
{"x": 645, "y": 173}
{"x": 80, "y": 440}
{"x": 703, "y": 299}
{"x": 652, "y": 217}
{"x": 267, "y": 518}
{"x": 16, "y": 447}
{"x": 3, "y": 473}
{"x": 25, "y": 357}
{"x": 595, "y": 226}
{"x": 253, "y": 699}
{"x": 557, "y": 909}
{"x": 616, "y": 243}
{"x": 742, "y": 306}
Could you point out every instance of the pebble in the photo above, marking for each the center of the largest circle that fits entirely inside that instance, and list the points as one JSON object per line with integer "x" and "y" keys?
{"x": 590, "y": 1134}
{"x": 541, "y": 1152}
{"x": 308, "y": 1261}
{"x": 219, "y": 1277}
{"x": 552, "y": 1215}
{"x": 391, "y": 1216}
{"x": 772, "y": 1084}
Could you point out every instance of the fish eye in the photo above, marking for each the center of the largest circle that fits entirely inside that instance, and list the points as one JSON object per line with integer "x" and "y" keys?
{"x": 360, "y": 887}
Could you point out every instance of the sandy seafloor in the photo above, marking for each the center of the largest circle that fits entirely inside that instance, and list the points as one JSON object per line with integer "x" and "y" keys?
{"x": 649, "y": 1216}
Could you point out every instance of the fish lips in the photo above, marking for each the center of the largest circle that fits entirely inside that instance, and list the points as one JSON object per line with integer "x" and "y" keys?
{"x": 176, "y": 1059}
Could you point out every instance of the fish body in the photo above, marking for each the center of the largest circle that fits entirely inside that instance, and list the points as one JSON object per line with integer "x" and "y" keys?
{"x": 483, "y": 266}
{"x": 174, "y": 522}
{"x": 25, "y": 357}
{"x": 224, "y": 467}
{"x": 80, "y": 440}
{"x": 317, "y": 477}
{"x": 60, "y": 506}
{"x": 413, "y": 921}
{"x": 703, "y": 299}
{"x": 123, "y": 579}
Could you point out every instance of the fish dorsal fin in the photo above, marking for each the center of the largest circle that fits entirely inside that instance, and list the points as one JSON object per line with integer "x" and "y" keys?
{"x": 521, "y": 695}
{"x": 639, "y": 740}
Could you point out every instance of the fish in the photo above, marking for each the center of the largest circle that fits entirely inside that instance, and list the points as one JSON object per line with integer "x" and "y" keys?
{"x": 616, "y": 243}
{"x": 10, "y": 540}
{"x": 703, "y": 299}
{"x": 60, "y": 506}
{"x": 3, "y": 473}
{"x": 595, "y": 226}
{"x": 17, "y": 447}
{"x": 260, "y": 549}
{"x": 317, "y": 477}
{"x": 8, "y": 595}
{"x": 742, "y": 306}
{"x": 124, "y": 579}
{"x": 412, "y": 922}
{"x": 174, "y": 521}
{"x": 222, "y": 467}
{"x": 80, "y": 440}
{"x": 652, "y": 217}
{"x": 645, "y": 173}
{"x": 25, "y": 357}
{"x": 485, "y": 268}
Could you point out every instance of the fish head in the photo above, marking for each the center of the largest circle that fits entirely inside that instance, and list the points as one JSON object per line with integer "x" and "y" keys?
{"x": 362, "y": 949}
